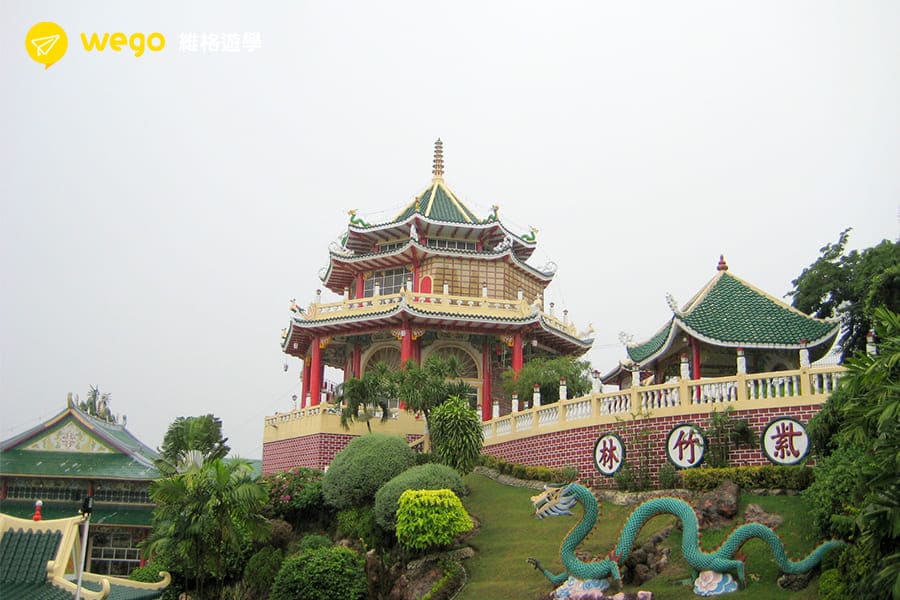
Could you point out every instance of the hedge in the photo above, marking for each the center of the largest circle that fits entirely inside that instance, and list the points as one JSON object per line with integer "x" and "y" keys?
{"x": 766, "y": 477}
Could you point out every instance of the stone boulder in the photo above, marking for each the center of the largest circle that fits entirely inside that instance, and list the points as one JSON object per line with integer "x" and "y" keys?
{"x": 718, "y": 506}
{"x": 756, "y": 514}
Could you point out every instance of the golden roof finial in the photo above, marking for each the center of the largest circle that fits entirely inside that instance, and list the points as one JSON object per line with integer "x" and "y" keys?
{"x": 438, "y": 170}
{"x": 722, "y": 266}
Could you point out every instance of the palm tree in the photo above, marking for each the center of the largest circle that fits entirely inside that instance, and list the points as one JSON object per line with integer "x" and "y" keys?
{"x": 374, "y": 390}
{"x": 205, "y": 515}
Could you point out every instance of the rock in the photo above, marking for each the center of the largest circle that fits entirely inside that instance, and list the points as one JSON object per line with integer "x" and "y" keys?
{"x": 374, "y": 568}
{"x": 719, "y": 505}
{"x": 795, "y": 582}
{"x": 641, "y": 574}
{"x": 756, "y": 514}
{"x": 419, "y": 578}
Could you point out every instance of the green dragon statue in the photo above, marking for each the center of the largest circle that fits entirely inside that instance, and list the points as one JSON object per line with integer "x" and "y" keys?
{"x": 556, "y": 501}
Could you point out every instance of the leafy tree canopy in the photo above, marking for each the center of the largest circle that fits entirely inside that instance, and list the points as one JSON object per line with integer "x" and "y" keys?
{"x": 850, "y": 285}
{"x": 422, "y": 388}
{"x": 547, "y": 373}
{"x": 186, "y": 434}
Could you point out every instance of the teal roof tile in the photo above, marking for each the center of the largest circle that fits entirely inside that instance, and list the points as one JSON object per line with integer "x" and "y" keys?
{"x": 24, "y": 555}
{"x": 733, "y": 312}
{"x": 47, "y": 463}
{"x": 641, "y": 351}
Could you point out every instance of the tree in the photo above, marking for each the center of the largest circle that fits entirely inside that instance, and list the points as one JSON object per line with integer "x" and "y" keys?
{"x": 547, "y": 373}
{"x": 456, "y": 434}
{"x": 374, "y": 390}
{"x": 850, "y": 285}
{"x": 864, "y": 417}
{"x": 422, "y": 388}
{"x": 205, "y": 519}
{"x": 185, "y": 434}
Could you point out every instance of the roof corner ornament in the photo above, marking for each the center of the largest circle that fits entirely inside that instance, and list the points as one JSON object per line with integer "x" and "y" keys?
{"x": 625, "y": 338}
{"x": 673, "y": 304}
{"x": 295, "y": 308}
{"x": 529, "y": 237}
{"x": 722, "y": 266}
{"x": 505, "y": 245}
{"x": 587, "y": 332}
{"x": 354, "y": 220}
{"x": 550, "y": 268}
{"x": 413, "y": 232}
{"x": 495, "y": 209}
{"x": 438, "y": 168}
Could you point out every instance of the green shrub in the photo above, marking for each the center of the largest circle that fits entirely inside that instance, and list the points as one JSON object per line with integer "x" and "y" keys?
{"x": 831, "y": 585}
{"x": 358, "y": 523}
{"x": 838, "y": 491}
{"x": 423, "y": 458}
{"x": 261, "y": 570}
{"x": 147, "y": 573}
{"x": 332, "y": 572}
{"x": 456, "y": 434}
{"x": 428, "y": 519}
{"x": 567, "y": 474}
{"x": 767, "y": 476}
{"x": 519, "y": 471}
{"x": 624, "y": 478}
{"x": 366, "y": 464}
{"x": 313, "y": 541}
{"x": 423, "y": 477}
{"x": 296, "y": 494}
{"x": 669, "y": 477}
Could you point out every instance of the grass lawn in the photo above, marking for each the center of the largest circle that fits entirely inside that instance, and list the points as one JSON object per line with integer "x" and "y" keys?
{"x": 510, "y": 533}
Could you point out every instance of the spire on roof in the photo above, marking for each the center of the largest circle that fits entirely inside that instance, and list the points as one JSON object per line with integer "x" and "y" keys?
{"x": 438, "y": 170}
{"x": 722, "y": 266}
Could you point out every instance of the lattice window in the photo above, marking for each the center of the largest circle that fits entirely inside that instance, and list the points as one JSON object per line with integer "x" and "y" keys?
{"x": 390, "y": 281}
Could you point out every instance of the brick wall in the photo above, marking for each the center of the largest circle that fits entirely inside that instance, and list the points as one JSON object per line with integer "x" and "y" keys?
{"x": 314, "y": 451}
{"x": 575, "y": 447}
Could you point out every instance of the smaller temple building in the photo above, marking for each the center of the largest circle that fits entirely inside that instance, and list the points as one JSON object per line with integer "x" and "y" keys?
{"x": 729, "y": 327}
{"x": 74, "y": 455}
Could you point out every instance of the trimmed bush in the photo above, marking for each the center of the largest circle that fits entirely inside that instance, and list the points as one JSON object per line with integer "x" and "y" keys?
{"x": 261, "y": 570}
{"x": 424, "y": 477}
{"x": 147, "y": 573}
{"x": 668, "y": 477}
{"x": 313, "y": 541}
{"x": 332, "y": 572}
{"x": 456, "y": 434}
{"x": 748, "y": 478}
{"x": 366, "y": 464}
{"x": 429, "y": 519}
{"x": 358, "y": 523}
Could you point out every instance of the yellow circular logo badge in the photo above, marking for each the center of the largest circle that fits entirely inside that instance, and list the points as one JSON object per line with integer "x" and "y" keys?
{"x": 46, "y": 43}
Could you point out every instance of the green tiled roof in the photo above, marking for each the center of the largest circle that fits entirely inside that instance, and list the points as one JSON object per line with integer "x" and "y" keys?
{"x": 33, "y": 591}
{"x": 641, "y": 351}
{"x": 24, "y": 556}
{"x": 104, "y": 513}
{"x": 734, "y": 312}
{"x": 74, "y": 464}
{"x": 731, "y": 312}
{"x": 439, "y": 203}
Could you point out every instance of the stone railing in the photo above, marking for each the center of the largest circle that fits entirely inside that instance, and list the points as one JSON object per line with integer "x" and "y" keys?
{"x": 446, "y": 302}
{"x": 758, "y": 390}
{"x": 326, "y": 418}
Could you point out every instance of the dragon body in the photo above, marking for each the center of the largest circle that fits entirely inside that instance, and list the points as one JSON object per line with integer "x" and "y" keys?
{"x": 559, "y": 501}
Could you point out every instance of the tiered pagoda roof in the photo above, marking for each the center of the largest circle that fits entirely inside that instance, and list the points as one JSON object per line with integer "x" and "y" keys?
{"x": 729, "y": 312}
{"x": 435, "y": 214}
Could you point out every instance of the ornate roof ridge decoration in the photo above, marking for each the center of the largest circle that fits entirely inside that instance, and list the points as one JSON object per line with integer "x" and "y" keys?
{"x": 114, "y": 435}
{"x": 730, "y": 312}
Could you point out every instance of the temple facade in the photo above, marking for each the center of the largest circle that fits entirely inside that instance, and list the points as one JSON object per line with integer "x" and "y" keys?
{"x": 436, "y": 280}
{"x": 74, "y": 455}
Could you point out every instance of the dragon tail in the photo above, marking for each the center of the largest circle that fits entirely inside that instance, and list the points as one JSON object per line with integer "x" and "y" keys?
{"x": 750, "y": 530}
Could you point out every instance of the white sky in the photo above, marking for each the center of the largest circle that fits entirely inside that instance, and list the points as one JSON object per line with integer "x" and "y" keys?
{"x": 159, "y": 212}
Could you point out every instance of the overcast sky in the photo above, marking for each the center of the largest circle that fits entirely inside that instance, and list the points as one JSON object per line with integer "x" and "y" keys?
{"x": 158, "y": 212}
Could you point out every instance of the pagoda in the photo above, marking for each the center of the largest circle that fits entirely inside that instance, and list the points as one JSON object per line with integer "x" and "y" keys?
{"x": 729, "y": 327}
{"x": 436, "y": 280}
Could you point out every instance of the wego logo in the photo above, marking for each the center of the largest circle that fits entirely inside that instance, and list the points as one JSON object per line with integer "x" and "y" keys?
{"x": 46, "y": 42}
{"x": 137, "y": 42}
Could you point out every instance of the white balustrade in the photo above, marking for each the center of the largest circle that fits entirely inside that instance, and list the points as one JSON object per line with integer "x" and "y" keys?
{"x": 548, "y": 415}
{"x": 578, "y": 409}
{"x": 524, "y": 421}
{"x": 504, "y": 426}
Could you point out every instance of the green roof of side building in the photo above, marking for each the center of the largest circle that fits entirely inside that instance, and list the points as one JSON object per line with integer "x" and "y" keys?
{"x": 730, "y": 312}
{"x": 74, "y": 444}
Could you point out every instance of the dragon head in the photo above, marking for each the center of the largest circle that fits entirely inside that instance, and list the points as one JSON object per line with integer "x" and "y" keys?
{"x": 553, "y": 502}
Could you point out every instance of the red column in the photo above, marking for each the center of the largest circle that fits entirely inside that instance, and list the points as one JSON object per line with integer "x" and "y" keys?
{"x": 695, "y": 363}
{"x": 360, "y": 285}
{"x": 305, "y": 383}
{"x": 357, "y": 361}
{"x": 517, "y": 357}
{"x": 486, "y": 392}
{"x": 406, "y": 345}
{"x": 416, "y": 278}
{"x": 315, "y": 372}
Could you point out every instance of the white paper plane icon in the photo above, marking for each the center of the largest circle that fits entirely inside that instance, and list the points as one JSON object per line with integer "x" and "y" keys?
{"x": 45, "y": 44}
